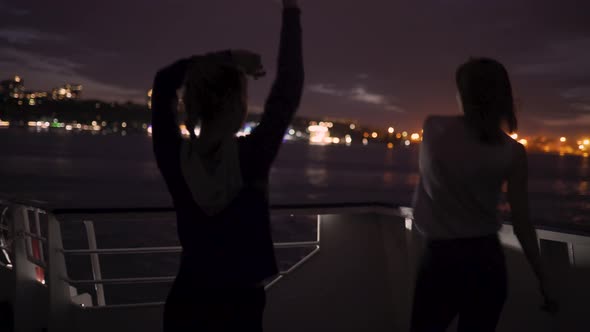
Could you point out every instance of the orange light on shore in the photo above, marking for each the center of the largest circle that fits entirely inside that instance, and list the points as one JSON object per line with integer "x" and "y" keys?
{"x": 514, "y": 136}
{"x": 523, "y": 142}
{"x": 563, "y": 139}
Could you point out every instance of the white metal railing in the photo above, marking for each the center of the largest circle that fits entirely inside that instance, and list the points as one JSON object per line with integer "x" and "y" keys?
{"x": 99, "y": 282}
{"x": 29, "y": 258}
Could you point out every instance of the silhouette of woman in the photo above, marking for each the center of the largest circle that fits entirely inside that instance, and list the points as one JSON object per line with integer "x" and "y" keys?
{"x": 219, "y": 183}
{"x": 464, "y": 160}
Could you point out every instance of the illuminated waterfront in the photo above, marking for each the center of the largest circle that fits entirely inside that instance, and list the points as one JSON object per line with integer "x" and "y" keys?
{"x": 87, "y": 170}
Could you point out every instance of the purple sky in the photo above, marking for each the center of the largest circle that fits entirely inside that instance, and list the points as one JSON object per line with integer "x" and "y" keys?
{"x": 380, "y": 62}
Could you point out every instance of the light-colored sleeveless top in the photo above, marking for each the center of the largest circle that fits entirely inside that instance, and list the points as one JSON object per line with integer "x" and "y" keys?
{"x": 461, "y": 180}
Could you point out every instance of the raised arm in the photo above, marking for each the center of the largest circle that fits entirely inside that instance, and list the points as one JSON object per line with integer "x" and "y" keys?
{"x": 523, "y": 227}
{"x": 165, "y": 133}
{"x": 287, "y": 88}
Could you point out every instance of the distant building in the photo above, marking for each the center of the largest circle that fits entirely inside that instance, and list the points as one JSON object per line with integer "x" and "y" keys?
{"x": 12, "y": 88}
{"x": 33, "y": 98}
{"x": 149, "y": 99}
{"x": 67, "y": 92}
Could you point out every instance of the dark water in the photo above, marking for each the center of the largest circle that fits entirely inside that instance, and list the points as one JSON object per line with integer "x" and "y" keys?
{"x": 77, "y": 170}
{"x": 65, "y": 170}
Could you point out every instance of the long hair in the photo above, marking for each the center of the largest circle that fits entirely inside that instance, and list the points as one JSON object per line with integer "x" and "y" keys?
{"x": 211, "y": 90}
{"x": 486, "y": 95}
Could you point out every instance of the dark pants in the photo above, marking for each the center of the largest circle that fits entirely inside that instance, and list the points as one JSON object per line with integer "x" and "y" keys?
{"x": 464, "y": 277}
{"x": 191, "y": 307}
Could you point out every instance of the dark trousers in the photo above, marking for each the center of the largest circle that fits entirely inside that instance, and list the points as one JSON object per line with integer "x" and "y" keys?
{"x": 464, "y": 277}
{"x": 191, "y": 307}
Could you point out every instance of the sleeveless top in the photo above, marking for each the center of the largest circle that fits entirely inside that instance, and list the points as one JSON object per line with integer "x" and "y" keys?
{"x": 461, "y": 180}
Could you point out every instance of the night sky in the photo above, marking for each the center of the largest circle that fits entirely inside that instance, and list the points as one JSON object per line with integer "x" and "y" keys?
{"x": 381, "y": 62}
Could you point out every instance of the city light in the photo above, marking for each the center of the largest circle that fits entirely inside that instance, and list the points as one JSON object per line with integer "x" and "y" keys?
{"x": 17, "y": 79}
{"x": 407, "y": 143}
{"x": 391, "y": 130}
{"x": 348, "y": 139}
{"x": 352, "y": 126}
{"x": 405, "y": 134}
{"x": 390, "y": 145}
{"x": 335, "y": 140}
{"x": 523, "y": 142}
{"x": 586, "y": 142}
{"x": 563, "y": 139}
{"x": 374, "y": 134}
{"x": 365, "y": 141}
{"x": 514, "y": 136}
{"x": 582, "y": 147}
{"x": 124, "y": 124}
{"x": 319, "y": 134}
{"x": 415, "y": 137}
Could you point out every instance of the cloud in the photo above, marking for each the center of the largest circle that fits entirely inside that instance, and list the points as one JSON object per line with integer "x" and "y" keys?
{"x": 580, "y": 92}
{"x": 581, "y": 107}
{"x": 14, "y": 11}
{"x": 582, "y": 120}
{"x": 26, "y": 36}
{"x": 359, "y": 94}
{"x": 45, "y": 72}
{"x": 578, "y": 115}
{"x": 566, "y": 58}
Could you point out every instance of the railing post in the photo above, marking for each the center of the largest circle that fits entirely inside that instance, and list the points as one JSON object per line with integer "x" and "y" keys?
{"x": 26, "y": 312}
{"x": 59, "y": 291}
{"x": 95, "y": 262}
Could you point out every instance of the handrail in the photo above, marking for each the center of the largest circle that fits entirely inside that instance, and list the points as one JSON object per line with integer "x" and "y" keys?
{"x": 401, "y": 211}
{"x": 157, "y": 280}
{"x": 35, "y": 236}
{"x": 172, "y": 249}
{"x": 274, "y": 207}
{"x": 121, "y": 281}
{"x": 120, "y": 251}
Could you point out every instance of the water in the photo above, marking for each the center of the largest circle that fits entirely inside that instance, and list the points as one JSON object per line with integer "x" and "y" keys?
{"x": 68, "y": 170}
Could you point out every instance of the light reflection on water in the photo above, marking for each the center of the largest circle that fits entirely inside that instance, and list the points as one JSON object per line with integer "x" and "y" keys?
{"x": 98, "y": 171}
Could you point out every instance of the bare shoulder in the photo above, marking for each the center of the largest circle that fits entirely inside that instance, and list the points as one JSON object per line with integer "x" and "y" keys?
{"x": 518, "y": 149}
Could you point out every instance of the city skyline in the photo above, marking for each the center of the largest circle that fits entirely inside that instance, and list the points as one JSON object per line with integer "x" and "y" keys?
{"x": 378, "y": 62}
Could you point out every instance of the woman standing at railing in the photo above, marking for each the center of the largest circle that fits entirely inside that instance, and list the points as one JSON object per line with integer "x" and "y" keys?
{"x": 219, "y": 183}
{"x": 464, "y": 160}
